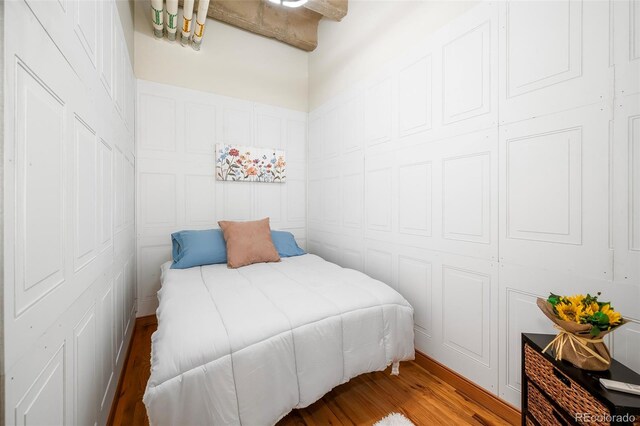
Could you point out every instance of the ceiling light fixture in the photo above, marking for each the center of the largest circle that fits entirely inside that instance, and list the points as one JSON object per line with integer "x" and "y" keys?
{"x": 289, "y": 3}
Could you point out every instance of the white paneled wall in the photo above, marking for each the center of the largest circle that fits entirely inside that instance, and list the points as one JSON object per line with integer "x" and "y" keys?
{"x": 68, "y": 197}
{"x": 178, "y": 130}
{"x": 496, "y": 162}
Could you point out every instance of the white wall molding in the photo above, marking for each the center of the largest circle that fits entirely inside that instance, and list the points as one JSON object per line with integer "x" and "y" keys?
{"x": 177, "y": 133}
{"x": 494, "y": 162}
{"x": 66, "y": 146}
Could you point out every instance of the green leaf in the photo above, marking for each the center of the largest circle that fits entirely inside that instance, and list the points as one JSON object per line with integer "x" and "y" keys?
{"x": 601, "y": 319}
{"x": 554, "y": 299}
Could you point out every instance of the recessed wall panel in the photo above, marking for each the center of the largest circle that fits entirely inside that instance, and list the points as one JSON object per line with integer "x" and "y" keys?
{"x": 106, "y": 191}
{"x": 378, "y": 199}
{"x": 106, "y": 52}
{"x": 39, "y": 187}
{"x": 295, "y": 141}
{"x": 85, "y": 389}
{"x": 415, "y": 284}
{"x": 544, "y": 187}
{"x": 330, "y": 252}
{"x": 86, "y": 27}
{"x": 415, "y": 199}
{"x": 159, "y": 205}
{"x": 236, "y": 126}
{"x": 352, "y": 192}
{"x": 296, "y": 200}
{"x": 148, "y": 271}
{"x": 523, "y": 316}
{"x": 466, "y": 75}
{"x": 331, "y": 200}
{"x": 44, "y": 402}
{"x": 269, "y": 202}
{"x": 119, "y": 192}
{"x": 269, "y": 131}
{"x": 237, "y": 202}
{"x": 119, "y": 313}
{"x": 634, "y": 176}
{"x": 350, "y": 114}
{"x": 379, "y": 264}
{"x": 378, "y": 112}
{"x": 157, "y": 122}
{"x": 544, "y": 44}
{"x": 85, "y": 183}
{"x": 415, "y": 97}
{"x": 314, "y": 209}
{"x": 107, "y": 341}
{"x": 352, "y": 258}
{"x": 129, "y": 191}
{"x": 129, "y": 291}
{"x": 466, "y": 198}
{"x": 199, "y": 199}
{"x": 200, "y": 128}
{"x": 627, "y": 346}
{"x": 466, "y": 327}
{"x": 315, "y": 138}
{"x": 166, "y": 143}
{"x": 129, "y": 102}
{"x": 332, "y": 135}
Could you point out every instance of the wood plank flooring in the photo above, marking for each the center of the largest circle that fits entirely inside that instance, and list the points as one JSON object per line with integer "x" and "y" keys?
{"x": 416, "y": 393}
{"x": 128, "y": 408}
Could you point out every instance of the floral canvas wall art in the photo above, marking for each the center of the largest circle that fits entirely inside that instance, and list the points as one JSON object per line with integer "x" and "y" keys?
{"x": 250, "y": 164}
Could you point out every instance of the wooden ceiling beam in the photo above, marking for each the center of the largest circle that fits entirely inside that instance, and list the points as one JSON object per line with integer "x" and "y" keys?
{"x": 297, "y": 27}
{"x": 330, "y": 9}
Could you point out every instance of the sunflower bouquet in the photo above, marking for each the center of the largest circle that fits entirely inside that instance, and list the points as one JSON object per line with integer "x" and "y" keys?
{"x": 582, "y": 322}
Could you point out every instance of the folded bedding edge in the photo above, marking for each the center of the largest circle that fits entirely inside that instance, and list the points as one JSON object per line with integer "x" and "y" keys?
{"x": 291, "y": 330}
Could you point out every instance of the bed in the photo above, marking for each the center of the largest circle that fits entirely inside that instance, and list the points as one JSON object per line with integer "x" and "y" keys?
{"x": 248, "y": 345}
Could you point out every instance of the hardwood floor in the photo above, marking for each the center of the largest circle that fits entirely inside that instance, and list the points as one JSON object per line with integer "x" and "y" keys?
{"x": 416, "y": 393}
{"x": 128, "y": 408}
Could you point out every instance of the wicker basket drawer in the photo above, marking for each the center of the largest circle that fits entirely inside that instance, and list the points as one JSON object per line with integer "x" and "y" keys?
{"x": 530, "y": 422}
{"x": 567, "y": 393}
{"x": 542, "y": 410}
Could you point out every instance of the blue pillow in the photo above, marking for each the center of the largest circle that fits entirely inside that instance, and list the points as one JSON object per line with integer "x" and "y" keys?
{"x": 195, "y": 248}
{"x": 286, "y": 244}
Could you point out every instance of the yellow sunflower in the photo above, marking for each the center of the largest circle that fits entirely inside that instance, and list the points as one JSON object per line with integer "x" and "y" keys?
{"x": 576, "y": 299}
{"x": 569, "y": 311}
{"x": 614, "y": 317}
{"x": 591, "y": 309}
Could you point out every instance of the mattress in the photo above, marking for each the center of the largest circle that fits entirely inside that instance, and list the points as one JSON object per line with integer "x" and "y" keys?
{"x": 246, "y": 346}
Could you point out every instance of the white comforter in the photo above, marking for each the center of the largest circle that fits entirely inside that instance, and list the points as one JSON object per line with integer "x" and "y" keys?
{"x": 246, "y": 346}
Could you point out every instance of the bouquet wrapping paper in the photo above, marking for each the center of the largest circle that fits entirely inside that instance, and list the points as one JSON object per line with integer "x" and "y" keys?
{"x": 576, "y": 343}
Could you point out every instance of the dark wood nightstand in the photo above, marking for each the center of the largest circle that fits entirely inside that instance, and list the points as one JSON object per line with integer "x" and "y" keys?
{"x": 557, "y": 393}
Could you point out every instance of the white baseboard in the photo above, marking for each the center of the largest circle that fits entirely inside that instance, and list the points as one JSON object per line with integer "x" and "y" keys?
{"x": 147, "y": 306}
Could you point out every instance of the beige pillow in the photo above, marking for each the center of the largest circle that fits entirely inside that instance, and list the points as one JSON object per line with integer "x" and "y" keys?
{"x": 248, "y": 242}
